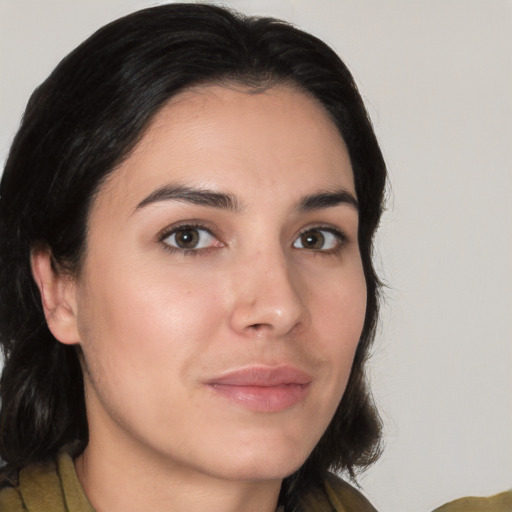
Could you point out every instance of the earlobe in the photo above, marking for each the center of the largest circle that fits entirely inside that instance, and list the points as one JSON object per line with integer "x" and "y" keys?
{"x": 58, "y": 297}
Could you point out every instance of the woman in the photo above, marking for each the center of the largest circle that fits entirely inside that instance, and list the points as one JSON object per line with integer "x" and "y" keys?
{"x": 188, "y": 296}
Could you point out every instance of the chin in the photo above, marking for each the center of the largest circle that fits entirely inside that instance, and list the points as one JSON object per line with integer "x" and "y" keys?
{"x": 254, "y": 471}
{"x": 262, "y": 463}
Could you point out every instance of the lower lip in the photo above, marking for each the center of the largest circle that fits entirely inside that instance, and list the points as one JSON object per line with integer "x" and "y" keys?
{"x": 263, "y": 398}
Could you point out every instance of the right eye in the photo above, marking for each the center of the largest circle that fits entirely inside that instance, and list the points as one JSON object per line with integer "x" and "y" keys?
{"x": 189, "y": 238}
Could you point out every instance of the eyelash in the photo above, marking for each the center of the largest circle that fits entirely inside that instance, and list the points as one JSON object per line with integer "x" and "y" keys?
{"x": 341, "y": 240}
{"x": 340, "y": 236}
{"x": 183, "y": 227}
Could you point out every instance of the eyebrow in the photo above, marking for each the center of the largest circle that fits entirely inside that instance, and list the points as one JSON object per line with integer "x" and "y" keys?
{"x": 203, "y": 197}
{"x": 326, "y": 199}
{"x": 226, "y": 201}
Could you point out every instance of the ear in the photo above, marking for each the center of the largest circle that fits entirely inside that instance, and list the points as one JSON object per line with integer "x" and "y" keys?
{"x": 58, "y": 296}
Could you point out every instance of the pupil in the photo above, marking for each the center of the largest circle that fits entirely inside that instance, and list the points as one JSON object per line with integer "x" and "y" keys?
{"x": 187, "y": 238}
{"x": 313, "y": 240}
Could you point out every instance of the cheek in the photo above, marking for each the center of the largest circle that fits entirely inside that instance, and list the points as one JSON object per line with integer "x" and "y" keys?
{"x": 144, "y": 329}
{"x": 338, "y": 311}
{"x": 338, "y": 306}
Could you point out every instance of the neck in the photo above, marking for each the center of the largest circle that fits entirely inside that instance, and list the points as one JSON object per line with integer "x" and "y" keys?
{"x": 119, "y": 478}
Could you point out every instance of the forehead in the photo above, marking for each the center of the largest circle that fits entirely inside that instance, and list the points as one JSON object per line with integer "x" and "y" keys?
{"x": 238, "y": 141}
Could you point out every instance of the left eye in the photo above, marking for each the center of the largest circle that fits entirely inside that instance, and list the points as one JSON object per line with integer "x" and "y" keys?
{"x": 318, "y": 240}
{"x": 189, "y": 238}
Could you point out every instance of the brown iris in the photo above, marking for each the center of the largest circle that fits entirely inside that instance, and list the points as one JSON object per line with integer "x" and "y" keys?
{"x": 312, "y": 240}
{"x": 187, "y": 238}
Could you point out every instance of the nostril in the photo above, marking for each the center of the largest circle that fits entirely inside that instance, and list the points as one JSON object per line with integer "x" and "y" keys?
{"x": 263, "y": 311}
{"x": 259, "y": 329}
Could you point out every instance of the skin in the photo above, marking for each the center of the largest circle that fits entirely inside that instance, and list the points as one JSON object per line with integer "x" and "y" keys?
{"x": 156, "y": 323}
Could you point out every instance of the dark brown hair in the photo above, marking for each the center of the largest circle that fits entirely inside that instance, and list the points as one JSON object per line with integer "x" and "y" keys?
{"x": 79, "y": 125}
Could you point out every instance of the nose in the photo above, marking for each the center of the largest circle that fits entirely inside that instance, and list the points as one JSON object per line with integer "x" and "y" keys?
{"x": 269, "y": 297}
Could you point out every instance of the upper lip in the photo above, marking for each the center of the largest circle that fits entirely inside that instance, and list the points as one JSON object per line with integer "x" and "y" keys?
{"x": 265, "y": 376}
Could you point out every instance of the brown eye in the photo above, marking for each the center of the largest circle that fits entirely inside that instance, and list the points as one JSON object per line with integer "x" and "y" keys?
{"x": 186, "y": 238}
{"x": 312, "y": 240}
{"x": 319, "y": 240}
{"x": 189, "y": 238}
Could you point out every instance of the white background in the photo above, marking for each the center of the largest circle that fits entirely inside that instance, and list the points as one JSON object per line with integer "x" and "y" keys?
{"x": 437, "y": 79}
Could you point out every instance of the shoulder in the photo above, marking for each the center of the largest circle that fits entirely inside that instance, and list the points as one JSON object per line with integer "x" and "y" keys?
{"x": 498, "y": 503}
{"x": 10, "y": 498}
{"x": 347, "y": 495}
{"x": 31, "y": 486}
{"x": 52, "y": 485}
{"x": 335, "y": 495}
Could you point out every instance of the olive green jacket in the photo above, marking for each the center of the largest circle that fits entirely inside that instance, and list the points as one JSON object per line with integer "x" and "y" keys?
{"x": 499, "y": 503}
{"x": 55, "y": 488}
{"x": 46, "y": 488}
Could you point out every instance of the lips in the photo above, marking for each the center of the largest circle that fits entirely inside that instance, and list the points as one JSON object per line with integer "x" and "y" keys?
{"x": 263, "y": 389}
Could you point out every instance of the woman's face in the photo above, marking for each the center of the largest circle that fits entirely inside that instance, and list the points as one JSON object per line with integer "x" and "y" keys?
{"x": 222, "y": 295}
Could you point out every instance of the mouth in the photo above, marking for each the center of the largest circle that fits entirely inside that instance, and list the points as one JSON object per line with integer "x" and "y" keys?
{"x": 263, "y": 389}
